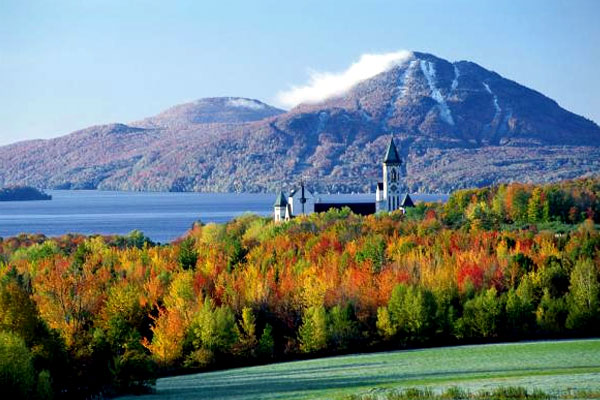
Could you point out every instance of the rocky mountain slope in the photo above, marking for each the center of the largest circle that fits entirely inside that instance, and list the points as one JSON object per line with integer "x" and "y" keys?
{"x": 457, "y": 124}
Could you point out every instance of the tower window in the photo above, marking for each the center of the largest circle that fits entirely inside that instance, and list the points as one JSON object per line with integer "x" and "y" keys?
{"x": 393, "y": 175}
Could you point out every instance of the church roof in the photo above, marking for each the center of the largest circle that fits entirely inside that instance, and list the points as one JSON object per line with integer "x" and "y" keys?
{"x": 280, "y": 201}
{"x": 391, "y": 155}
{"x": 306, "y": 193}
{"x": 407, "y": 201}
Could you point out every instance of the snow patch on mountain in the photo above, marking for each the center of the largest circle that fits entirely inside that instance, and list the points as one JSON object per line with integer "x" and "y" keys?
{"x": 495, "y": 98}
{"x": 409, "y": 71}
{"x": 246, "y": 103}
{"x": 400, "y": 91}
{"x": 429, "y": 71}
{"x": 455, "y": 81}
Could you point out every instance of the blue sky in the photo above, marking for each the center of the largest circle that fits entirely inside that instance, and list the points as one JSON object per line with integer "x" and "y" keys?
{"x": 65, "y": 65}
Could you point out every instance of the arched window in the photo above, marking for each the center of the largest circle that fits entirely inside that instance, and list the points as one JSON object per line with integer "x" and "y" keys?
{"x": 393, "y": 177}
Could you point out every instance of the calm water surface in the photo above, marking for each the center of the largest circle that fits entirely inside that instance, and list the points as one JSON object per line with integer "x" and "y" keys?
{"x": 161, "y": 216}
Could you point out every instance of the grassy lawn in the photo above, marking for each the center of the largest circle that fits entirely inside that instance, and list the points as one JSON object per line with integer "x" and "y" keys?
{"x": 550, "y": 366}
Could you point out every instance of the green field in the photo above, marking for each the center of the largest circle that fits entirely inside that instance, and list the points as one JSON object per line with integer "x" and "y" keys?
{"x": 551, "y": 366}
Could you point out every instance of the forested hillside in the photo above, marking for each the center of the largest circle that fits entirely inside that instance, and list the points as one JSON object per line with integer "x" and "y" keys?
{"x": 82, "y": 315}
{"x": 457, "y": 124}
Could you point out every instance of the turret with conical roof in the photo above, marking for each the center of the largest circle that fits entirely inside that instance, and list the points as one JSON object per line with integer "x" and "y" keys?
{"x": 280, "y": 207}
{"x": 406, "y": 202}
{"x": 280, "y": 201}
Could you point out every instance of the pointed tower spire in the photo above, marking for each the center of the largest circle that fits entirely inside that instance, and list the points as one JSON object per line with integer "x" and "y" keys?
{"x": 302, "y": 196}
{"x": 280, "y": 207}
{"x": 280, "y": 201}
{"x": 391, "y": 155}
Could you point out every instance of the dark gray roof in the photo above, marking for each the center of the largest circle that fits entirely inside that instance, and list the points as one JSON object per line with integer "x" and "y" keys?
{"x": 299, "y": 189}
{"x": 280, "y": 201}
{"x": 391, "y": 155}
{"x": 407, "y": 201}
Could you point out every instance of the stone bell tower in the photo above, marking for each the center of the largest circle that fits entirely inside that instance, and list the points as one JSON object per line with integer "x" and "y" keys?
{"x": 391, "y": 179}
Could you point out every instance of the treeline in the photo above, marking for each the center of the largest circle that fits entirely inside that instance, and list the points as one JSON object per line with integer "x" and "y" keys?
{"x": 83, "y": 315}
{"x": 569, "y": 202}
{"x": 22, "y": 193}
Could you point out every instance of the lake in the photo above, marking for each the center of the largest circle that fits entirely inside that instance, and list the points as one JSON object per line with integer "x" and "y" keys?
{"x": 161, "y": 216}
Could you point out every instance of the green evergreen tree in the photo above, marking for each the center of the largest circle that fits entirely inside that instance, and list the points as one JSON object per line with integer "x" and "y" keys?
{"x": 373, "y": 250}
{"x": 188, "y": 256}
{"x": 342, "y": 330}
{"x": 313, "y": 332}
{"x": 266, "y": 343}
{"x": 247, "y": 334}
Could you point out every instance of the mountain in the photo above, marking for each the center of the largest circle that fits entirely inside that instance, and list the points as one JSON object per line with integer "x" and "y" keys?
{"x": 211, "y": 110}
{"x": 461, "y": 103}
{"x": 457, "y": 125}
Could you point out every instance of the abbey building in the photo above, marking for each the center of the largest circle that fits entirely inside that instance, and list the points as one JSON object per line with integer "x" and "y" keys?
{"x": 387, "y": 196}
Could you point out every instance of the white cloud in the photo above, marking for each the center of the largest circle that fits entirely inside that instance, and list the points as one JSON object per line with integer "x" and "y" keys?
{"x": 323, "y": 85}
{"x": 245, "y": 103}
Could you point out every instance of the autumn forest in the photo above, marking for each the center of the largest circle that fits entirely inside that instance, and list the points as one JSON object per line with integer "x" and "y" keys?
{"x": 108, "y": 314}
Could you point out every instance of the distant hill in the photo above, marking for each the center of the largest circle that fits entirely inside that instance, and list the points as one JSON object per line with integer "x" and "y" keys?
{"x": 458, "y": 125}
{"x": 22, "y": 193}
{"x": 211, "y": 110}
